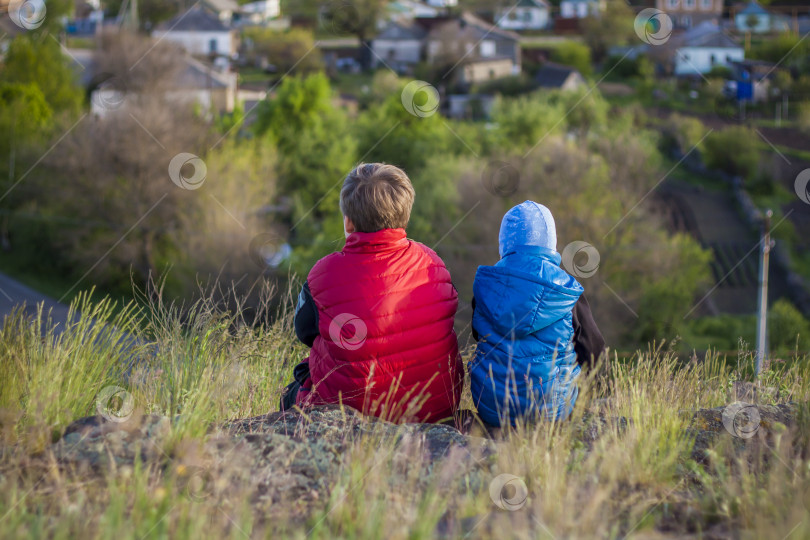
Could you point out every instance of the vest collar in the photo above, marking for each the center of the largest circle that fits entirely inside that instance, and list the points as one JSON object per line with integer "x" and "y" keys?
{"x": 382, "y": 240}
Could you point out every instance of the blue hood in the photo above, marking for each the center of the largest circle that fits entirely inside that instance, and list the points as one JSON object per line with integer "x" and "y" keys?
{"x": 527, "y": 224}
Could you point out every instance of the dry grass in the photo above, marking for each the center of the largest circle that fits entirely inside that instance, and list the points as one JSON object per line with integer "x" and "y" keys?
{"x": 202, "y": 365}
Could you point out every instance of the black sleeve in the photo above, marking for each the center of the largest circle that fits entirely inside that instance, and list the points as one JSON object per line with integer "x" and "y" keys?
{"x": 476, "y": 337}
{"x": 588, "y": 341}
{"x": 306, "y": 317}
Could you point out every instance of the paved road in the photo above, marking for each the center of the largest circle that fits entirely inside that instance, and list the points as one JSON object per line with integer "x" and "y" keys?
{"x": 14, "y": 293}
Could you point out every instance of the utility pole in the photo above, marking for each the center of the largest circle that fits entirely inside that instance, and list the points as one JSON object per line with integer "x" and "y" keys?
{"x": 762, "y": 309}
{"x": 134, "y": 21}
{"x": 128, "y": 15}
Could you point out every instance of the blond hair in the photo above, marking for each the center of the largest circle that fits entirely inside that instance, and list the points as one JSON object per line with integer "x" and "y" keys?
{"x": 377, "y": 196}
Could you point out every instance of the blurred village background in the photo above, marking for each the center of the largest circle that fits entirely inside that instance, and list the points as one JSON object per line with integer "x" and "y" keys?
{"x": 194, "y": 142}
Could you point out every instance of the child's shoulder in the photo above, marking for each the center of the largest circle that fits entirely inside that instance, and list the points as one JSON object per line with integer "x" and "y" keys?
{"x": 419, "y": 247}
{"x": 525, "y": 271}
{"x": 416, "y": 251}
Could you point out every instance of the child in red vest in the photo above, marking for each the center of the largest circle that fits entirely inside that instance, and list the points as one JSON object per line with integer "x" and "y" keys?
{"x": 378, "y": 315}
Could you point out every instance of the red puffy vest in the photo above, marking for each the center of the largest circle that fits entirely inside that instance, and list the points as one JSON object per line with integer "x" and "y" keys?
{"x": 387, "y": 345}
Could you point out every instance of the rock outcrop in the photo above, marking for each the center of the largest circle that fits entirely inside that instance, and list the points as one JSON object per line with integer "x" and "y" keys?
{"x": 290, "y": 461}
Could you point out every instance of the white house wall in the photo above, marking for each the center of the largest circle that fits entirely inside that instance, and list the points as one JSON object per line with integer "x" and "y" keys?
{"x": 571, "y": 10}
{"x": 694, "y": 60}
{"x": 523, "y": 19}
{"x": 408, "y": 52}
{"x": 199, "y": 42}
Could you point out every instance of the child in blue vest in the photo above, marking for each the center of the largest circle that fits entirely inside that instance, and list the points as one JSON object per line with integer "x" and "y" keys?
{"x": 533, "y": 326}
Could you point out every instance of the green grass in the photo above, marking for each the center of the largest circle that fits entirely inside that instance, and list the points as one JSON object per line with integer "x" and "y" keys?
{"x": 325, "y": 32}
{"x": 351, "y": 84}
{"x": 253, "y": 75}
{"x": 790, "y": 152}
{"x": 771, "y": 123}
{"x": 201, "y": 365}
{"x": 552, "y": 42}
{"x": 81, "y": 42}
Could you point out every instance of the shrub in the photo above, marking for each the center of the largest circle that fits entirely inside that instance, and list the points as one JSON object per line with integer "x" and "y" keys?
{"x": 574, "y": 54}
{"x": 584, "y": 110}
{"x": 719, "y": 72}
{"x": 788, "y": 49}
{"x": 682, "y": 132}
{"x": 508, "y": 86}
{"x": 639, "y": 68}
{"x": 804, "y": 116}
{"x": 525, "y": 120}
{"x": 761, "y": 184}
{"x": 621, "y": 67}
{"x": 733, "y": 150}
{"x": 788, "y": 330}
{"x": 721, "y": 333}
{"x": 384, "y": 83}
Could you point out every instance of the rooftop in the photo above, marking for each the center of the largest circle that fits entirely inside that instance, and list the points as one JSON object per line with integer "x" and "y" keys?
{"x": 396, "y": 31}
{"x": 475, "y": 29}
{"x": 553, "y": 75}
{"x": 532, "y": 3}
{"x": 753, "y": 8}
{"x": 706, "y": 34}
{"x": 196, "y": 19}
{"x": 222, "y": 5}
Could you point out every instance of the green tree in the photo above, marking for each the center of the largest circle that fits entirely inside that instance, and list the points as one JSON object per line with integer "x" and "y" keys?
{"x": 287, "y": 50}
{"x": 667, "y": 295}
{"x": 585, "y": 110}
{"x": 24, "y": 112}
{"x": 522, "y": 122}
{"x": 354, "y": 17}
{"x": 314, "y": 155}
{"x": 56, "y": 11}
{"x": 25, "y": 118}
{"x": 612, "y": 27}
{"x": 388, "y": 132}
{"x": 788, "y": 49}
{"x": 436, "y": 207}
{"x": 37, "y": 59}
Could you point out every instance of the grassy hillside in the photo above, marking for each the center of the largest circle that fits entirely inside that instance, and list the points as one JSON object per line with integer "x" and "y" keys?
{"x": 201, "y": 366}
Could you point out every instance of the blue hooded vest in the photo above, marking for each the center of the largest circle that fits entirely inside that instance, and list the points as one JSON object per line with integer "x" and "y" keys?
{"x": 525, "y": 365}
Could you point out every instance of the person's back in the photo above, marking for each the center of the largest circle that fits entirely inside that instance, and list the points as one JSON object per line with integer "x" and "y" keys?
{"x": 525, "y": 365}
{"x": 382, "y": 337}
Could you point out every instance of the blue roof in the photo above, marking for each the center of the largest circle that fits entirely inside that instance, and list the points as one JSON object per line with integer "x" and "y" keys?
{"x": 753, "y": 9}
